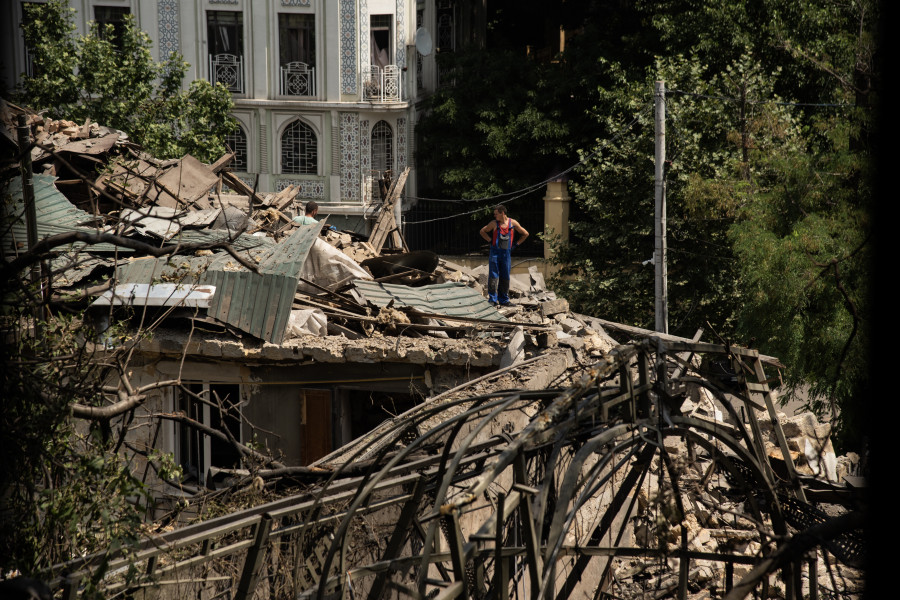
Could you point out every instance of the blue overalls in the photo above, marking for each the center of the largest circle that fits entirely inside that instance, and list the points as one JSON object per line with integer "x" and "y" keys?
{"x": 499, "y": 262}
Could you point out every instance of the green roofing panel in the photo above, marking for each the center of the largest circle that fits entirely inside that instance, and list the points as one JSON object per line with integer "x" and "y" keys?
{"x": 55, "y": 214}
{"x": 450, "y": 299}
{"x": 288, "y": 257}
{"x": 259, "y": 303}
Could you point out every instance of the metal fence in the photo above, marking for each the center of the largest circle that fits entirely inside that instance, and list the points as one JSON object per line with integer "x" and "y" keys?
{"x": 440, "y": 227}
{"x": 422, "y": 507}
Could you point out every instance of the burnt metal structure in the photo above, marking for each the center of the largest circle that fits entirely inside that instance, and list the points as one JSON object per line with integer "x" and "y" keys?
{"x": 526, "y": 494}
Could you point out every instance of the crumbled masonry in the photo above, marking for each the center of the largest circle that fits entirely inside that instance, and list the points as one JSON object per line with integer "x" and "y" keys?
{"x": 553, "y": 454}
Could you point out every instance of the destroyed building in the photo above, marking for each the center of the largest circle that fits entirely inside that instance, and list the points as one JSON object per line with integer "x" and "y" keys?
{"x": 432, "y": 445}
{"x": 287, "y": 321}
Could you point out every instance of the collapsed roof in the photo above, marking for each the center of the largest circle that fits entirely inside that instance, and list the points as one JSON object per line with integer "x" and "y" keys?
{"x": 146, "y": 224}
{"x": 524, "y": 488}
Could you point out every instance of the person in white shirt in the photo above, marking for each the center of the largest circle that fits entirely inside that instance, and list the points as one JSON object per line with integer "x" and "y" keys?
{"x": 312, "y": 209}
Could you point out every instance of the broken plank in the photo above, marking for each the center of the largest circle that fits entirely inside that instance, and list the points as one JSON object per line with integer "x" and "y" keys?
{"x": 386, "y": 224}
{"x": 289, "y": 199}
{"x": 223, "y": 162}
{"x": 338, "y": 298}
{"x": 189, "y": 182}
{"x": 306, "y": 300}
{"x": 239, "y": 186}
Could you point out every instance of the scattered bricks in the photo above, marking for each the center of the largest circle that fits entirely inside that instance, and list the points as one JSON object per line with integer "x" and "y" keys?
{"x": 734, "y": 534}
{"x": 554, "y": 307}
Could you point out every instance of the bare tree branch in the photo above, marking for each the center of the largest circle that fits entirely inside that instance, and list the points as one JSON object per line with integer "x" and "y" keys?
{"x": 182, "y": 418}
{"x": 126, "y": 402}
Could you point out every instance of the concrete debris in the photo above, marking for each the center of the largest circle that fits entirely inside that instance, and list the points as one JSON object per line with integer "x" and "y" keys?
{"x": 591, "y": 427}
{"x": 515, "y": 352}
{"x": 306, "y": 322}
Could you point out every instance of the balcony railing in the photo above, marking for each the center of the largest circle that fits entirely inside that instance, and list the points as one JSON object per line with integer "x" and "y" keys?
{"x": 381, "y": 85}
{"x": 228, "y": 70}
{"x": 298, "y": 79}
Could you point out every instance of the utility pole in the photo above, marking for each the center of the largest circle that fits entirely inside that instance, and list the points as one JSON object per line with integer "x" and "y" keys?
{"x": 24, "y": 138}
{"x": 660, "y": 250}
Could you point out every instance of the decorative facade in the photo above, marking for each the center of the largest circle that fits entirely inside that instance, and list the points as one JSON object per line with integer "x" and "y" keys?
{"x": 306, "y": 75}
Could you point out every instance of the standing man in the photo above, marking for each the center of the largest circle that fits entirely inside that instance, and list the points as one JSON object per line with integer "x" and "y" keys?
{"x": 312, "y": 209}
{"x": 501, "y": 233}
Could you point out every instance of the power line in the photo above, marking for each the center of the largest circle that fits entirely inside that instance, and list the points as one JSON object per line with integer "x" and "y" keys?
{"x": 515, "y": 195}
{"x": 540, "y": 184}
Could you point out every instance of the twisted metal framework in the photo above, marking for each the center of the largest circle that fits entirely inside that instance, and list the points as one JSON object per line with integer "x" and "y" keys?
{"x": 511, "y": 494}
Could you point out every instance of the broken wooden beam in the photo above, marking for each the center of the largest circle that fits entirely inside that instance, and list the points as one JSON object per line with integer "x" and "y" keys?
{"x": 386, "y": 225}
{"x": 235, "y": 183}
{"x": 223, "y": 162}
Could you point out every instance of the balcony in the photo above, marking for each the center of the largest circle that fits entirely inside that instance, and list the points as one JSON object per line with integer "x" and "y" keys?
{"x": 228, "y": 70}
{"x": 298, "y": 79}
{"x": 381, "y": 85}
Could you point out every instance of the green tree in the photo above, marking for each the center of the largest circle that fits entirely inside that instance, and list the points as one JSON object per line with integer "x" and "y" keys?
{"x": 481, "y": 144}
{"x": 66, "y": 491}
{"x": 711, "y": 165}
{"x": 117, "y": 83}
{"x": 768, "y": 121}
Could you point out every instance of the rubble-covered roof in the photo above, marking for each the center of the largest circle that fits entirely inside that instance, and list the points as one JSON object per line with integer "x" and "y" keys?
{"x": 261, "y": 267}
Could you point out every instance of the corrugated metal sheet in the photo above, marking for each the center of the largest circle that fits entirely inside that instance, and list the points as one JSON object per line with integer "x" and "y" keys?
{"x": 288, "y": 256}
{"x": 258, "y": 303}
{"x": 55, "y": 214}
{"x": 168, "y": 269}
{"x": 451, "y": 299}
{"x": 208, "y": 236}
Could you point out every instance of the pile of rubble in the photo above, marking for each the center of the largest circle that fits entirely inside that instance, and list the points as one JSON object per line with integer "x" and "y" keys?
{"x": 716, "y": 514}
{"x": 206, "y": 222}
{"x": 237, "y": 264}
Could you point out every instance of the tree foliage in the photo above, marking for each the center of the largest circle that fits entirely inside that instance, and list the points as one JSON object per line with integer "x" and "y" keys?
{"x": 498, "y": 124}
{"x": 67, "y": 492}
{"x": 768, "y": 115}
{"x": 768, "y": 187}
{"x": 113, "y": 80}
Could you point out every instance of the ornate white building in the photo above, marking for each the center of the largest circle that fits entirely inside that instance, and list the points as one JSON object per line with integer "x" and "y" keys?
{"x": 325, "y": 91}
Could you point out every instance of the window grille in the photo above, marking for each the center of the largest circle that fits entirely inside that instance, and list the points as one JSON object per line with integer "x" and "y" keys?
{"x": 237, "y": 141}
{"x": 299, "y": 154}
{"x": 297, "y": 53}
{"x": 225, "y": 39}
{"x": 381, "y": 85}
{"x": 297, "y": 79}
{"x": 382, "y": 147}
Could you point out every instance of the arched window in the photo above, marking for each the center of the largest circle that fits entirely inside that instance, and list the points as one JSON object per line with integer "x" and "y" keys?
{"x": 237, "y": 142}
{"x": 299, "y": 154}
{"x": 382, "y": 147}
